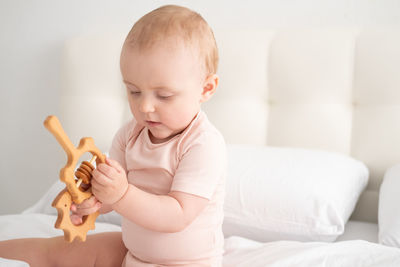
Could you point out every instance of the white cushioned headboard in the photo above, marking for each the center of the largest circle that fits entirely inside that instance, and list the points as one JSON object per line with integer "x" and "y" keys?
{"x": 331, "y": 89}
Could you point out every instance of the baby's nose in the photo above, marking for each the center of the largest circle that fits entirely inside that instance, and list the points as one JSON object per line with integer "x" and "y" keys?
{"x": 147, "y": 105}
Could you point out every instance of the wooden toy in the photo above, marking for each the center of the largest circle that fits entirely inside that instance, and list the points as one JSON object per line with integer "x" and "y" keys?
{"x": 73, "y": 192}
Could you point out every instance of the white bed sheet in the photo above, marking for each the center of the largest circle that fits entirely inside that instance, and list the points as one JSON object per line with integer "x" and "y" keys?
{"x": 239, "y": 252}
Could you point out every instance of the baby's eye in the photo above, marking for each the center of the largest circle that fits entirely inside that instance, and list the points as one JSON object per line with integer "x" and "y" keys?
{"x": 164, "y": 97}
{"x": 134, "y": 93}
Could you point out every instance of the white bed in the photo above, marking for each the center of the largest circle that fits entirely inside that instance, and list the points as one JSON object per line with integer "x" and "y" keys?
{"x": 356, "y": 247}
{"x": 321, "y": 103}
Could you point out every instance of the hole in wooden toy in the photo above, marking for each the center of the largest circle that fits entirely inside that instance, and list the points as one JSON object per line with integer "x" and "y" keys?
{"x": 72, "y": 221}
{"x": 84, "y": 218}
{"x": 84, "y": 187}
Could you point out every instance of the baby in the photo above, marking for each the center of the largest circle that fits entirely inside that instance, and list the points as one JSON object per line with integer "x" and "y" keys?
{"x": 166, "y": 171}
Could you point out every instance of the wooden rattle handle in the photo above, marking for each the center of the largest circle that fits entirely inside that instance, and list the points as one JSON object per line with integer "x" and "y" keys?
{"x": 72, "y": 193}
{"x": 54, "y": 126}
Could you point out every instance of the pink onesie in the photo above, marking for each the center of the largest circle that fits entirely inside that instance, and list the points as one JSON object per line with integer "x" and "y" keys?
{"x": 193, "y": 162}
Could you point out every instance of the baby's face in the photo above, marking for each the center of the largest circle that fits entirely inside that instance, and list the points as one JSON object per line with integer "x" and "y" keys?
{"x": 165, "y": 87}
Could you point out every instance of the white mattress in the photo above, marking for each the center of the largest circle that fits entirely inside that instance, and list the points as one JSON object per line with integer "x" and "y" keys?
{"x": 241, "y": 252}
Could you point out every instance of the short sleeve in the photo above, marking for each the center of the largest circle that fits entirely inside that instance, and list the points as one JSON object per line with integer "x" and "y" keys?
{"x": 118, "y": 146}
{"x": 120, "y": 141}
{"x": 201, "y": 167}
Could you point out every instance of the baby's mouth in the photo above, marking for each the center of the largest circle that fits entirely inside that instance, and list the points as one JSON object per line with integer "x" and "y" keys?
{"x": 153, "y": 123}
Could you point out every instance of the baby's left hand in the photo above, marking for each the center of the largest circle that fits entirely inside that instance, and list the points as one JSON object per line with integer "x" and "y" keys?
{"x": 109, "y": 182}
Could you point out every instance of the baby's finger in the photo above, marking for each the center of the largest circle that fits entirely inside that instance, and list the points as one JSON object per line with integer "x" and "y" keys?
{"x": 88, "y": 202}
{"x": 107, "y": 170}
{"x": 73, "y": 207}
{"x": 88, "y": 210}
{"x": 76, "y": 219}
{"x": 98, "y": 189}
{"x": 115, "y": 164}
{"x": 100, "y": 178}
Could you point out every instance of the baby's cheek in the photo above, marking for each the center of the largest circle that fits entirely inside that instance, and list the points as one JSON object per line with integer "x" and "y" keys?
{"x": 180, "y": 114}
{"x": 180, "y": 120}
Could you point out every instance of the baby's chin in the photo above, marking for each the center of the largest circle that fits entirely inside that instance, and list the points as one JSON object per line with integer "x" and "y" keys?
{"x": 158, "y": 138}
{"x": 163, "y": 136}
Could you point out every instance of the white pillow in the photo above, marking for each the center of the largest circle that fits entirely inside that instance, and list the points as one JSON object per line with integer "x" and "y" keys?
{"x": 389, "y": 211}
{"x": 43, "y": 205}
{"x": 290, "y": 194}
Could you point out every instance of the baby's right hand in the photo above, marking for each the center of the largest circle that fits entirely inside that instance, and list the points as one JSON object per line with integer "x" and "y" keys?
{"x": 88, "y": 206}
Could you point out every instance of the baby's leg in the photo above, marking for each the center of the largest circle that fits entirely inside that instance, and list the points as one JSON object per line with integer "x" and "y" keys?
{"x": 105, "y": 249}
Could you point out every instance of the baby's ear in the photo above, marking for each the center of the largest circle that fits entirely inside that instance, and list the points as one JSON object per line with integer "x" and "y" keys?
{"x": 209, "y": 87}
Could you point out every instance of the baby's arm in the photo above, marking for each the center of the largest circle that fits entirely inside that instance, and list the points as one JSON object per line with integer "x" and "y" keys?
{"x": 162, "y": 213}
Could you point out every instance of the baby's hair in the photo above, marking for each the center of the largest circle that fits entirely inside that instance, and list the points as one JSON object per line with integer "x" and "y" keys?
{"x": 176, "y": 22}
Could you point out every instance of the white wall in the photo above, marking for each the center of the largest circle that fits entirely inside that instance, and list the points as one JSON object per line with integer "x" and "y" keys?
{"x": 31, "y": 40}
